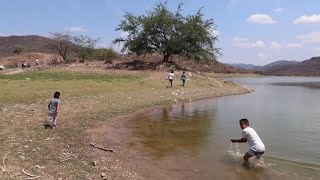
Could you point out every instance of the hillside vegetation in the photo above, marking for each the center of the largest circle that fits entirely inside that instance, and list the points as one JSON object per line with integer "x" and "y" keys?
{"x": 30, "y": 43}
{"x": 35, "y": 47}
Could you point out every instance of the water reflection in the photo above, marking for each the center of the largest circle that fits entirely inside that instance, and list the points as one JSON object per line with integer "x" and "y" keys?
{"x": 190, "y": 141}
{"x": 182, "y": 127}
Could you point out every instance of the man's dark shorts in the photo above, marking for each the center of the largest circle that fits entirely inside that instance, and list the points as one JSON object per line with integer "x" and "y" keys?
{"x": 255, "y": 153}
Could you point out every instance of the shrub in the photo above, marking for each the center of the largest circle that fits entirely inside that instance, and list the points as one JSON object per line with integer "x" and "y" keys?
{"x": 105, "y": 55}
{"x": 18, "y": 49}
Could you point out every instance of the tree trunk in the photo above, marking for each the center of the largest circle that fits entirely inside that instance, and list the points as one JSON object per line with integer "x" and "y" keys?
{"x": 166, "y": 56}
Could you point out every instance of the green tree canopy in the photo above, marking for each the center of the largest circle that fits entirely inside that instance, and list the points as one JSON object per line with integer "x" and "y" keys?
{"x": 85, "y": 46}
{"x": 169, "y": 33}
{"x": 18, "y": 49}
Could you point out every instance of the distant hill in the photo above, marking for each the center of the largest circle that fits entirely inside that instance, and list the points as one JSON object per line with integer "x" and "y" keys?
{"x": 30, "y": 43}
{"x": 310, "y": 67}
{"x": 277, "y": 64}
{"x": 272, "y": 65}
{"x": 244, "y": 66}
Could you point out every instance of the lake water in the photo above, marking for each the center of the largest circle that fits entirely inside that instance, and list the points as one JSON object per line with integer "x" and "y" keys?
{"x": 192, "y": 140}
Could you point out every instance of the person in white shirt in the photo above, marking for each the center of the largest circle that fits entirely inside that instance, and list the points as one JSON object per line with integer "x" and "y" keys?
{"x": 170, "y": 77}
{"x": 249, "y": 135}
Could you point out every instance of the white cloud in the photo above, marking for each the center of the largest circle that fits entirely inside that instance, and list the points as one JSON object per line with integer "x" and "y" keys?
{"x": 245, "y": 43}
{"x": 307, "y": 19}
{"x": 261, "y": 19}
{"x": 313, "y": 37}
{"x": 102, "y": 44}
{"x": 277, "y": 45}
{"x": 3, "y": 34}
{"x": 317, "y": 51}
{"x": 76, "y": 29}
{"x": 214, "y": 32}
{"x": 13, "y": 34}
{"x": 118, "y": 47}
{"x": 264, "y": 56}
{"x": 278, "y": 10}
{"x": 294, "y": 45}
{"x": 124, "y": 35}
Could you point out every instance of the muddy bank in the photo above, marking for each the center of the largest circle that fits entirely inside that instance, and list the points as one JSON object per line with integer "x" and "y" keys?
{"x": 115, "y": 136}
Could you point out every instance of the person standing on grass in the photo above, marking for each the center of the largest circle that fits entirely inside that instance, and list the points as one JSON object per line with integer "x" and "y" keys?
{"x": 37, "y": 62}
{"x": 54, "y": 108}
{"x": 183, "y": 78}
{"x": 249, "y": 135}
{"x": 170, "y": 77}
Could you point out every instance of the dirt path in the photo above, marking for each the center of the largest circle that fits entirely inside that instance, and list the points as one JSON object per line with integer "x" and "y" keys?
{"x": 16, "y": 71}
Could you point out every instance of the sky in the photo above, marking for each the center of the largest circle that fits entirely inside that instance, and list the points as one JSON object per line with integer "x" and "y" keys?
{"x": 249, "y": 31}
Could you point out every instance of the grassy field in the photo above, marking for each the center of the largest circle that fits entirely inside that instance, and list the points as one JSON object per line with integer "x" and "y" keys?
{"x": 90, "y": 98}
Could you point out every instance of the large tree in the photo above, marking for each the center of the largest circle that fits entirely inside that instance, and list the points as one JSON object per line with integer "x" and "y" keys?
{"x": 63, "y": 45}
{"x": 68, "y": 45}
{"x": 85, "y": 46}
{"x": 168, "y": 33}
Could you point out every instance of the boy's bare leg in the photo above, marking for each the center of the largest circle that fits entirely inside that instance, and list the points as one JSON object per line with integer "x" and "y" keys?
{"x": 246, "y": 159}
{"x": 54, "y": 120}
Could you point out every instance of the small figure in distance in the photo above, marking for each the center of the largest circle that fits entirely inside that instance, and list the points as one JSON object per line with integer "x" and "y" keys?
{"x": 23, "y": 64}
{"x": 183, "y": 78}
{"x": 170, "y": 77}
{"x": 54, "y": 108}
{"x": 249, "y": 135}
{"x": 37, "y": 61}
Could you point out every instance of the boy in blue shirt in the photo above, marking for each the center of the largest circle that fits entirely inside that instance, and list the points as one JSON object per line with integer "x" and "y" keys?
{"x": 183, "y": 78}
{"x": 54, "y": 108}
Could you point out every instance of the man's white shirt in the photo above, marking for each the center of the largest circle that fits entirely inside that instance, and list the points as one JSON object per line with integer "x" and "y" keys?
{"x": 253, "y": 139}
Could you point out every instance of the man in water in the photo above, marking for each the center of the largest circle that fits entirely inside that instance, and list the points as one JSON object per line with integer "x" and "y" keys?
{"x": 249, "y": 135}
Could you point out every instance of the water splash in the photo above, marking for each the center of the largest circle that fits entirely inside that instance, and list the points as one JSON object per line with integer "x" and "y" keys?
{"x": 234, "y": 152}
{"x": 257, "y": 163}
{"x": 236, "y": 156}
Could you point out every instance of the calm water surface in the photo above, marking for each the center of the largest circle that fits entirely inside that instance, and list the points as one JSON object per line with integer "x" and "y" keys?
{"x": 192, "y": 140}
